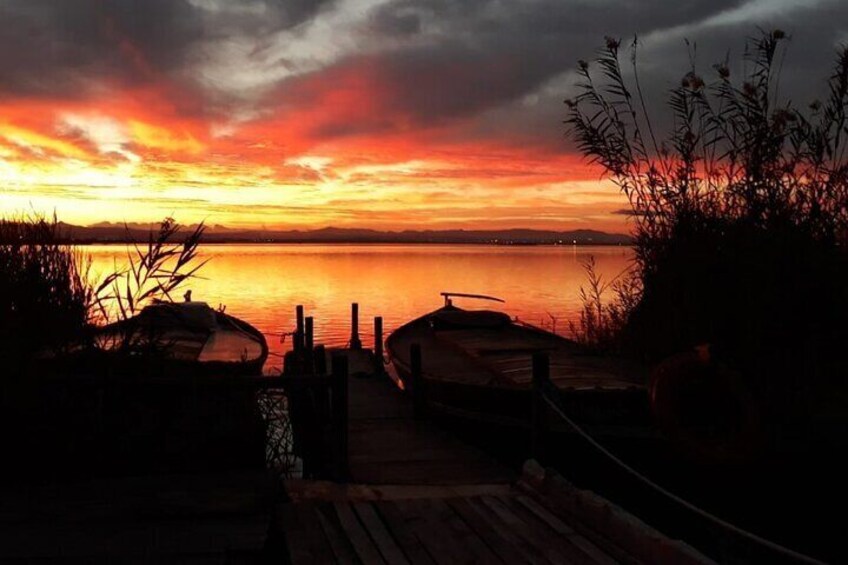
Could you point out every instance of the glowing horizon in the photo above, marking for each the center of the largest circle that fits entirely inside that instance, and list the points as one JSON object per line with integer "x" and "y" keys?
{"x": 110, "y": 160}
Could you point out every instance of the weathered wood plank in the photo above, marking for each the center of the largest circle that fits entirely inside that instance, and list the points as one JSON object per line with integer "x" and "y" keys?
{"x": 464, "y": 535}
{"x": 428, "y": 528}
{"x": 377, "y": 530}
{"x": 548, "y": 537}
{"x": 300, "y": 489}
{"x": 564, "y": 529}
{"x": 529, "y": 553}
{"x": 546, "y": 544}
{"x": 396, "y": 522}
{"x": 499, "y": 545}
{"x": 340, "y": 545}
{"x": 304, "y": 534}
{"x": 550, "y": 519}
{"x": 362, "y": 544}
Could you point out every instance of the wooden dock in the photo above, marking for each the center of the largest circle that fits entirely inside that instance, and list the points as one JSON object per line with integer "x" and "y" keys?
{"x": 387, "y": 445}
{"x": 417, "y": 494}
{"x": 472, "y": 524}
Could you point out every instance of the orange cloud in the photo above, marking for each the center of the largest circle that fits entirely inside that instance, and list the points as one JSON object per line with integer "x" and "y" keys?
{"x": 325, "y": 153}
{"x": 39, "y": 142}
{"x": 157, "y": 137}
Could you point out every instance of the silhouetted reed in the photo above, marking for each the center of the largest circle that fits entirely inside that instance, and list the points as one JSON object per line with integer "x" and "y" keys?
{"x": 153, "y": 272}
{"x": 45, "y": 296}
{"x": 740, "y": 211}
{"x": 49, "y": 302}
{"x": 63, "y": 395}
{"x": 605, "y": 308}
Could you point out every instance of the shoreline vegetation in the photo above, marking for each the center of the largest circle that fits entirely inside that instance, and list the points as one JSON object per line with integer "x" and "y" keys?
{"x": 740, "y": 208}
{"x": 85, "y": 384}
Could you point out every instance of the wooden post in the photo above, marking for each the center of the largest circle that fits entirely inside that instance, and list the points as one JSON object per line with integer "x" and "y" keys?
{"x": 298, "y": 332}
{"x": 309, "y": 335}
{"x": 355, "y": 343}
{"x": 541, "y": 375}
{"x": 419, "y": 393}
{"x": 339, "y": 399}
{"x": 319, "y": 360}
{"x": 308, "y": 343}
{"x": 378, "y": 345}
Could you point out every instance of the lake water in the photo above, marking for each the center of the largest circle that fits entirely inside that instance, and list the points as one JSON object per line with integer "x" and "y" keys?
{"x": 262, "y": 284}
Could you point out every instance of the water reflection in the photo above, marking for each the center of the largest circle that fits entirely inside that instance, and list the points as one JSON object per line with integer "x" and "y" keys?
{"x": 263, "y": 283}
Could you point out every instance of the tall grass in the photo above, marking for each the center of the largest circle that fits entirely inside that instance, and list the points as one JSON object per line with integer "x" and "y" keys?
{"x": 605, "y": 308}
{"x": 740, "y": 208}
{"x": 154, "y": 271}
{"x": 45, "y": 297}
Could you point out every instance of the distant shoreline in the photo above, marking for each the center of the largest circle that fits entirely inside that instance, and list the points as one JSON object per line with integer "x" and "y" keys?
{"x": 347, "y": 242}
{"x": 105, "y": 234}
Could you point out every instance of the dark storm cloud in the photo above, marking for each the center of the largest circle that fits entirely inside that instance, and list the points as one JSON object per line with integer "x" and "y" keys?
{"x": 58, "y": 47}
{"x": 497, "y": 65}
{"x": 509, "y": 50}
{"x": 463, "y": 58}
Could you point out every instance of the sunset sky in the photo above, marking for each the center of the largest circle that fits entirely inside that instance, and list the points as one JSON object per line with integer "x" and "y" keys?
{"x": 382, "y": 114}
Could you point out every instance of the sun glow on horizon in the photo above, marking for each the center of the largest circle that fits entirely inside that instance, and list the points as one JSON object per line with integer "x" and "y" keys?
{"x": 89, "y": 165}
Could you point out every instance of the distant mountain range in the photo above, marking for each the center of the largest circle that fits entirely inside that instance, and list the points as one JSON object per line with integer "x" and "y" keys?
{"x": 107, "y": 232}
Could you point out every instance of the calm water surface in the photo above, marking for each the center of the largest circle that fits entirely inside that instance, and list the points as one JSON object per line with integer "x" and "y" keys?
{"x": 262, "y": 284}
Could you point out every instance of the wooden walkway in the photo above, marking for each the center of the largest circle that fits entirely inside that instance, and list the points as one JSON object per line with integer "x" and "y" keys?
{"x": 436, "y": 525}
{"x": 417, "y": 494}
{"x": 388, "y": 446}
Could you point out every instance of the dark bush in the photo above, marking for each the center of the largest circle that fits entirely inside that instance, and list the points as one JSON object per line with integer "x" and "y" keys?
{"x": 45, "y": 297}
{"x": 740, "y": 213}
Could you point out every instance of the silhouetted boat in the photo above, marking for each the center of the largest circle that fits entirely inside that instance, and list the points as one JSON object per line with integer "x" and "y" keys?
{"x": 188, "y": 334}
{"x": 477, "y": 365}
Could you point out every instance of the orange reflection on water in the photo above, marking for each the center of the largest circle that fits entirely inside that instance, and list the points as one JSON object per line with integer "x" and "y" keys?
{"x": 262, "y": 284}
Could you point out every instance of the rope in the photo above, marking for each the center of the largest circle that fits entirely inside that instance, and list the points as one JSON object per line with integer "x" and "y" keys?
{"x": 554, "y": 404}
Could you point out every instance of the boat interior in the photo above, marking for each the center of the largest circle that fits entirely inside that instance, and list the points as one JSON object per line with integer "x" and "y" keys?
{"x": 487, "y": 348}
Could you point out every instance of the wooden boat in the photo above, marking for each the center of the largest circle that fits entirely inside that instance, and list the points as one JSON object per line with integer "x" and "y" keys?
{"x": 188, "y": 335}
{"x": 477, "y": 365}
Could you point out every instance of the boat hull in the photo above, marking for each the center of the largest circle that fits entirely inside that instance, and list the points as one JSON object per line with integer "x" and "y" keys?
{"x": 474, "y": 385}
{"x": 181, "y": 338}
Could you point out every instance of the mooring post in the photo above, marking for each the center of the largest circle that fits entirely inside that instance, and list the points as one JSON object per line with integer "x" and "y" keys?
{"x": 298, "y": 332}
{"x": 319, "y": 360}
{"x": 355, "y": 343}
{"x": 309, "y": 328}
{"x": 419, "y": 398}
{"x": 339, "y": 399}
{"x": 308, "y": 343}
{"x": 541, "y": 374}
{"x": 378, "y": 345}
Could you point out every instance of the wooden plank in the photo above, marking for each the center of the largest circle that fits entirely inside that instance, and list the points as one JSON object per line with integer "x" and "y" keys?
{"x": 397, "y": 523}
{"x": 435, "y": 538}
{"x": 304, "y": 535}
{"x": 377, "y": 530}
{"x": 550, "y": 519}
{"x": 477, "y": 522}
{"x": 552, "y": 554}
{"x": 529, "y": 553}
{"x": 562, "y": 528}
{"x": 463, "y": 534}
{"x": 341, "y": 546}
{"x": 357, "y": 535}
{"x": 547, "y": 537}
